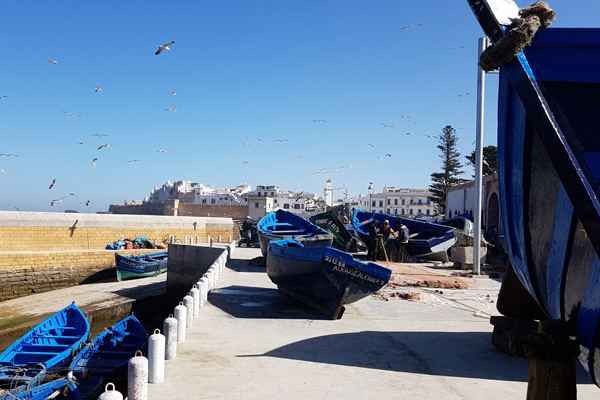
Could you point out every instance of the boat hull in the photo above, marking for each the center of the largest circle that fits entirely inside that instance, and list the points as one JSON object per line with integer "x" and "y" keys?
{"x": 430, "y": 241}
{"x": 284, "y": 225}
{"x": 550, "y": 223}
{"x": 140, "y": 266}
{"x": 112, "y": 349}
{"x": 342, "y": 239}
{"x": 323, "y": 278}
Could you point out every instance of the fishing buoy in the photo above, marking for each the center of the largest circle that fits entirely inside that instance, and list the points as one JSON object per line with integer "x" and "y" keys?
{"x": 195, "y": 292}
{"x": 188, "y": 302}
{"x": 181, "y": 316}
{"x": 156, "y": 357}
{"x": 137, "y": 377}
{"x": 170, "y": 330}
{"x": 110, "y": 394}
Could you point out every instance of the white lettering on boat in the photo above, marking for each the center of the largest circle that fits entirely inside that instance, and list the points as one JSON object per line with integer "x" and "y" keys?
{"x": 340, "y": 266}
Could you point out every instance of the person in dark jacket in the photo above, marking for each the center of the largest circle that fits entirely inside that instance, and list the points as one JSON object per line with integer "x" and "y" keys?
{"x": 247, "y": 232}
{"x": 373, "y": 240}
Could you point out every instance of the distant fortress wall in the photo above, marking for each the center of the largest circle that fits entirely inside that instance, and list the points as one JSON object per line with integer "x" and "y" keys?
{"x": 43, "y": 251}
{"x": 175, "y": 208}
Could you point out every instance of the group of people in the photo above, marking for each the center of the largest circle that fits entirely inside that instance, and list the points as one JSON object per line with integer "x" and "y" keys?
{"x": 378, "y": 237}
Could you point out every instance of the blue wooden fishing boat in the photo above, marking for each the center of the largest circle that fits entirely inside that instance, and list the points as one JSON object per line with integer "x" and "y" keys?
{"x": 47, "y": 346}
{"x": 140, "y": 266}
{"x": 427, "y": 240}
{"x": 342, "y": 239}
{"x": 69, "y": 387}
{"x": 108, "y": 353}
{"x": 323, "y": 278}
{"x": 549, "y": 171}
{"x": 281, "y": 224}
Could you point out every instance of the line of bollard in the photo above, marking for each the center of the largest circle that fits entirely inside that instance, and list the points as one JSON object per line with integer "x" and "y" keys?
{"x": 142, "y": 370}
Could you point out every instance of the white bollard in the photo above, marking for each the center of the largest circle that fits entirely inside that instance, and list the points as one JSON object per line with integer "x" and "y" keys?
{"x": 170, "y": 330}
{"x": 219, "y": 239}
{"x": 204, "y": 293}
{"x": 195, "y": 292}
{"x": 188, "y": 302}
{"x": 229, "y": 239}
{"x": 156, "y": 357}
{"x": 208, "y": 239}
{"x": 197, "y": 239}
{"x": 181, "y": 316}
{"x": 110, "y": 394}
{"x": 185, "y": 240}
{"x": 201, "y": 287}
{"x": 137, "y": 377}
{"x": 207, "y": 276}
{"x": 215, "y": 268}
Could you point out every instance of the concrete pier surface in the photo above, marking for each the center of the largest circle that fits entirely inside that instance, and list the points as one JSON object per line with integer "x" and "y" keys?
{"x": 249, "y": 343}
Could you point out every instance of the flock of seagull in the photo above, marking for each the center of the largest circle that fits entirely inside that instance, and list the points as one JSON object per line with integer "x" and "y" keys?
{"x": 165, "y": 47}
{"x": 53, "y": 184}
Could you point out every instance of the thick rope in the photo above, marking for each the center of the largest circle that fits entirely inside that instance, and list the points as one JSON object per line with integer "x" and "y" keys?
{"x": 533, "y": 18}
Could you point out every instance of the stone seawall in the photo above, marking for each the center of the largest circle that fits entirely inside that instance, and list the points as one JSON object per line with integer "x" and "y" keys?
{"x": 45, "y": 251}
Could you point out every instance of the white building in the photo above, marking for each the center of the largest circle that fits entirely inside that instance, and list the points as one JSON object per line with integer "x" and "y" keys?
{"x": 461, "y": 199}
{"x": 404, "y": 202}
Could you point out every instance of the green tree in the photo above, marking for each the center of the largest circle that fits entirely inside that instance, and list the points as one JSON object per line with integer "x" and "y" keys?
{"x": 451, "y": 168}
{"x": 490, "y": 160}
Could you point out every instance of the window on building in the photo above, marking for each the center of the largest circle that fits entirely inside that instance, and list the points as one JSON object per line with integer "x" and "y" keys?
{"x": 271, "y": 194}
{"x": 373, "y": 204}
{"x": 302, "y": 206}
{"x": 286, "y": 206}
{"x": 203, "y": 201}
{"x": 380, "y": 203}
{"x": 403, "y": 201}
{"x": 419, "y": 211}
{"x": 296, "y": 206}
{"x": 427, "y": 211}
{"x": 275, "y": 201}
{"x": 256, "y": 205}
{"x": 395, "y": 202}
{"x": 389, "y": 201}
{"x": 389, "y": 211}
{"x": 410, "y": 211}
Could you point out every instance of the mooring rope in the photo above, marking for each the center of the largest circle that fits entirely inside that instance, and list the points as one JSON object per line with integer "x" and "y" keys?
{"x": 533, "y": 18}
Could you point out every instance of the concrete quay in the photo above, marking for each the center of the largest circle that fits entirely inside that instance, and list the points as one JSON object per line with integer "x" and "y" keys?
{"x": 249, "y": 343}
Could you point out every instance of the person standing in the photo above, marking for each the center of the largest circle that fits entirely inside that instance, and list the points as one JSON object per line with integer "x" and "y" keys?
{"x": 373, "y": 240}
{"x": 402, "y": 236}
{"x": 247, "y": 231}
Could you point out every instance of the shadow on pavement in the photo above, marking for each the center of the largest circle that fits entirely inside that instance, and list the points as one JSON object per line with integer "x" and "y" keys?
{"x": 253, "y": 302}
{"x": 467, "y": 355}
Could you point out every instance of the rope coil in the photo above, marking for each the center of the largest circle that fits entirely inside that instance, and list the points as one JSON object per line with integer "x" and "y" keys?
{"x": 533, "y": 18}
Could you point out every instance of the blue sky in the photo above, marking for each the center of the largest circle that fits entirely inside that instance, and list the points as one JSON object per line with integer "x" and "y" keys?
{"x": 242, "y": 71}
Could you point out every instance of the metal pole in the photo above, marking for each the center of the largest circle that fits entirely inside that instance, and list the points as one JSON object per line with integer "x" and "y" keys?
{"x": 482, "y": 45}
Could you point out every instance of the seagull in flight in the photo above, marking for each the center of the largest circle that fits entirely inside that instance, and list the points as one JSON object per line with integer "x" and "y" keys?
{"x": 411, "y": 26}
{"x": 98, "y": 134}
{"x": 73, "y": 194}
{"x": 319, "y": 120}
{"x": 410, "y": 133}
{"x": 72, "y": 114}
{"x": 173, "y": 93}
{"x": 87, "y": 203}
{"x": 372, "y": 145}
{"x": 429, "y": 136}
{"x": 4, "y": 172}
{"x": 171, "y": 109}
{"x": 93, "y": 162}
{"x": 260, "y": 140}
{"x": 162, "y": 151}
{"x": 245, "y": 162}
{"x": 80, "y": 143}
{"x": 59, "y": 200}
{"x": 457, "y": 48}
{"x": 462, "y": 95}
{"x": 105, "y": 145}
{"x": 388, "y": 155}
{"x": 133, "y": 160}
{"x": 301, "y": 156}
{"x": 53, "y": 62}
{"x": 385, "y": 125}
{"x": 246, "y": 144}
{"x": 281, "y": 140}
{"x": 98, "y": 89}
{"x": 52, "y": 184}
{"x": 404, "y": 116}
{"x": 3, "y": 97}
{"x": 164, "y": 47}
{"x": 9, "y": 155}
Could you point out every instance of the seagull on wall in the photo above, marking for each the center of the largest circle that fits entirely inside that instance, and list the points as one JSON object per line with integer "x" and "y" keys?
{"x": 105, "y": 145}
{"x": 164, "y": 47}
{"x": 52, "y": 184}
{"x": 93, "y": 162}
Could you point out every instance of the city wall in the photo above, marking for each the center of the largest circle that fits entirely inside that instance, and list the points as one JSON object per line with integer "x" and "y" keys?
{"x": 45, "y": 251}
{"x": 173, "y": 207}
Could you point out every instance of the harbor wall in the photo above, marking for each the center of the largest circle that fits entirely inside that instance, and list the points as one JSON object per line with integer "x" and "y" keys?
{"x": 45, "y": 251}
{"x": 173, "y": 207}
